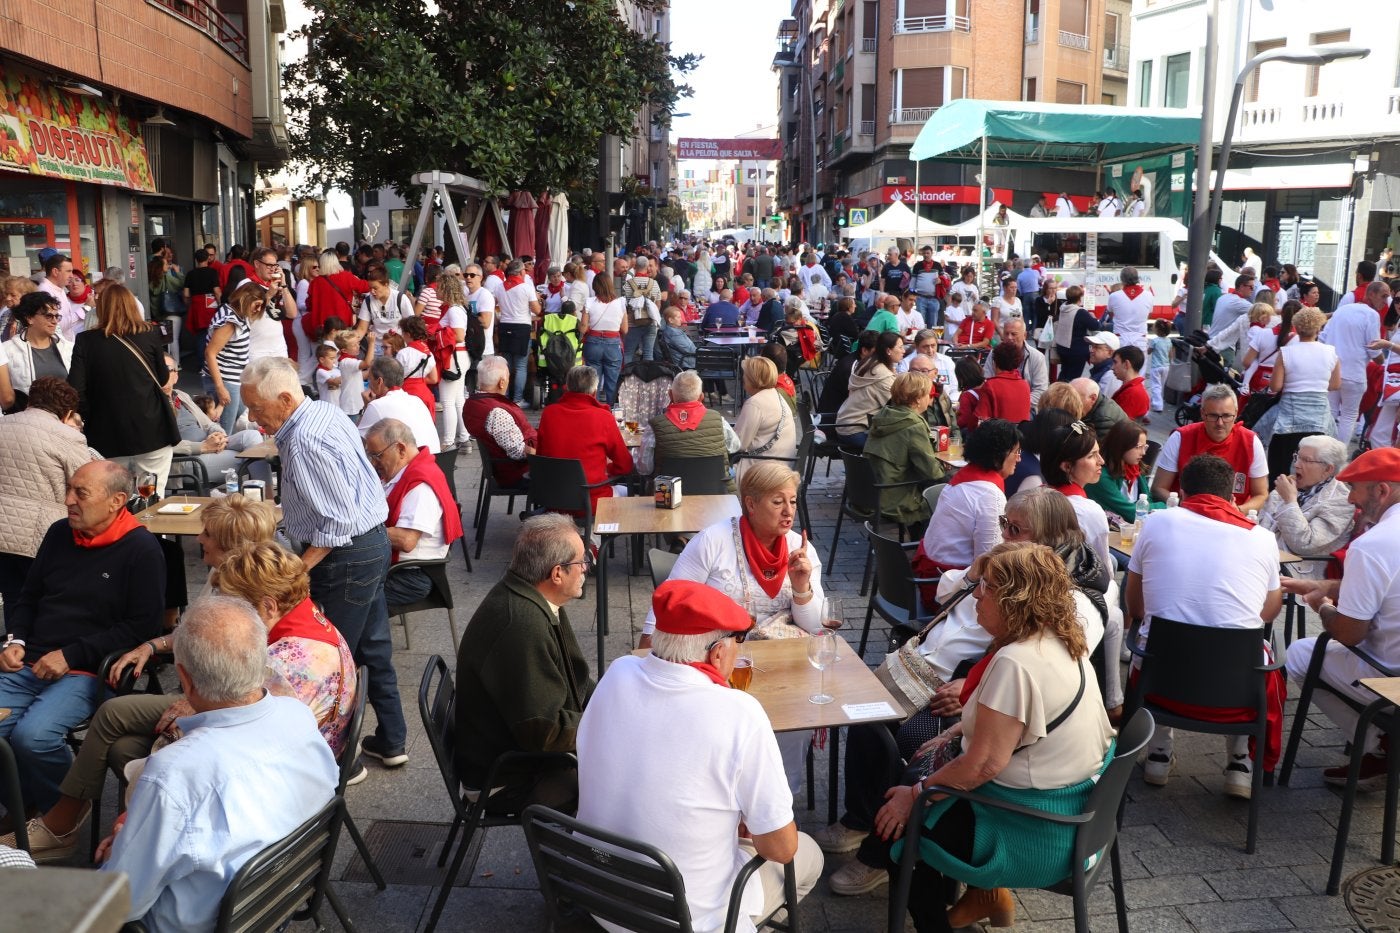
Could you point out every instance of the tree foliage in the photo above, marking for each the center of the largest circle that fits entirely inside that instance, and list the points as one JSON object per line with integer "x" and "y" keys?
{"x": 516, "y": 93}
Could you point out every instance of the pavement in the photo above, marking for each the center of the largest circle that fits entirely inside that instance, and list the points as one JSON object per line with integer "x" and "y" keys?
{"x": 1182, "y": 845}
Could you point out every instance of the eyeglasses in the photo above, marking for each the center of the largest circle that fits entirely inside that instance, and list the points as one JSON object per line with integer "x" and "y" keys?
{"x": 739, "y": 638}
{"x": 50, "y": 316}
{"x": 1224, "y": 418}
{"x": 1008, "y": 527}
{"x": 376, "y": 457}
{"x": 586, "y": 563}
{"x": 1299, "y": 458}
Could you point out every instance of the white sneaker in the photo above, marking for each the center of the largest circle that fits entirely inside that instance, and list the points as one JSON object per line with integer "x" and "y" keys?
{"x": 1157, "y": 769}
{"x": 838, "y": 838}
{"x": 855, "y": 877}
{"x": 1239, "y": 778}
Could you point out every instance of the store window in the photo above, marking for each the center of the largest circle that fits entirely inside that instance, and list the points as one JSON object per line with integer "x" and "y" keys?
{"x": 35, "y": 213}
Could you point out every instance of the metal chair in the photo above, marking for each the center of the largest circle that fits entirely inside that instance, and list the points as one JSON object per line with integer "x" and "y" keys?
{"x": 895, "y": 594}
{"x": 438, "y": 709}
{"x": 1095, "y": 834}
{"x": 719, "y": 365}
{"x": 288, "y": 879}
{"x": 625, "y": 881}
{"x": 700, "y": 476}
{"x": 487, "y": 489}
{"x": 439, "y": 597}
{"x": 348, "y": 762}
{"x": 188, "y": 476}
{"x": 447, "y": 463}
{"x": 860, "y": 500}
{"x": 1198, "y": 665}
{"x": 559, "y": 485}
{"x": 661, "y": 564}
{"x": 14, "y": 800}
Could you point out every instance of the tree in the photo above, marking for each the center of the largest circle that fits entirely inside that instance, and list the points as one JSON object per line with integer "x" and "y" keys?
{"x": 516, "y": 93}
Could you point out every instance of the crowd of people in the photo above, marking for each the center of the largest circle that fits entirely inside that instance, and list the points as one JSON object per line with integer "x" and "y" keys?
{"x": 1006, "y": 427}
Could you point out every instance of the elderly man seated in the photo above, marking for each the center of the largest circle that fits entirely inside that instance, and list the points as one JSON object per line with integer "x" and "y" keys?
{"x": 1218, "y": 432}
{"x": 423, "y": 518}
{"x": 579, "y": 427}
{"x": 250, "y": 768}
{"x": 391, "y": 401}
{"x": 687, "y": 429}
{"x": 97, "y": 586}
{"x": 1100, "y": 412}
{"x": 715, "y": 791}
{"x": 498, "y": 423}
{"x": 1309, "y": 511}
{"x": 521, "y": 679}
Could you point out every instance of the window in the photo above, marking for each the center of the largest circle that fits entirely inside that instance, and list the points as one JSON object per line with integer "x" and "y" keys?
{"x": 870, "y": 25}
{"x": 1074, "y": 17}
{"x": 1069, "y": 92}
{"x": 1145, "y": 84}
{"x": 1031, "y": 93}
{"x": 1108, "y": 100}
{"x": 1114, "y": 55}
{"x": 1256, "y": 80}
{"x": 919, "y": 91}
{"x": 372, "y": 198}
{"x": 1176, "y": 80}
{"x": 1330, "y": 84}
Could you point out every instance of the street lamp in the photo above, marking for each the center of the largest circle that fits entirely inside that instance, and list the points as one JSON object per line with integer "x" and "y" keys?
{"x": 1209, "y": 212}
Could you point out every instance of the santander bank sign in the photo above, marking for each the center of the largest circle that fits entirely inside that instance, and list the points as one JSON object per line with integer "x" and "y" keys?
{"x": 940, "y": 194}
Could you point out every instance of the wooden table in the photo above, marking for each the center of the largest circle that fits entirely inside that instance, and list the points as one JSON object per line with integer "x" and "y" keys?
{"x": 1115, "y": 542}
{"x": 633, "y": 439}
{"x": 263, "y": 450}
{"x": 74, "y": 900}
{"x": 638, "y": 515}
{"x": 952, "y": 457}
{"x": 191, "y": 524}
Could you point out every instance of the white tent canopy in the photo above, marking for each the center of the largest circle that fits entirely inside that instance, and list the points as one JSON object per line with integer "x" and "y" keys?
{"x": 898, "y": 221}
{"x": 987, "y": 221}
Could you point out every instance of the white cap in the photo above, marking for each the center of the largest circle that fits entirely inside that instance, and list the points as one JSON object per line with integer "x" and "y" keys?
{"x": 1104, "y": 338}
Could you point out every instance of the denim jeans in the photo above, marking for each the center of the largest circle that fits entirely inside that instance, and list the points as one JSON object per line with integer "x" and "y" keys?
{"x": 605, "y": 356}
{"x": 406, "y": 586}
{"x": 513, "y": 342}
{"x": 41, "y": 713}
{"x": 233, "y": 409}
{"x": 639, "y": 337}
{"x": 928, "y": 307}
{"x": 349, "y": 585}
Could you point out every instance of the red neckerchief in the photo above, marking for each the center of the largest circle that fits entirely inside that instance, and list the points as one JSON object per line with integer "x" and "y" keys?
{"x": 1071, "y": 489}
{"x": 785, "y": 384}
{"x": 1131, "y": 473}
{"x": 555, "y": 289}
{"x": 514, "y": 280}
{"x": 82, "y": 296}
{"x": 420, "y": 345}
{"x": 121, "y": 526}
{"x": 347, "y": 356}
{"x": 324, "y": 369}
{"x": 686, "y": 416}
{"x": 1132, "y": 291}
{"x": 1358, "y": 294}
{"x": 304, "y": 620}
{"x": 498, "y": 273}
{"x": 1216, "y": 508}
{"x": 973, "y": 473}
{"x": 710, "y": 671}
{"x": 974, "y": 677}
{"x": 1273, "y": 285}
{"x": 769, "y": 568}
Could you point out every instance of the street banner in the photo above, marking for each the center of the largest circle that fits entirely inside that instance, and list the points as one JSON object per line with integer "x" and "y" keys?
{"x": 758, "y": 150}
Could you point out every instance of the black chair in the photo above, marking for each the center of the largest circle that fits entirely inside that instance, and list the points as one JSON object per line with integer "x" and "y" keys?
{"x": 1095, "y": 835}
{"x": 14, "y": 800}
{"x": 1149, "y": 459}
{"x": 625, "y": 881}
{"x": 860, "y": 500}
{"x": 661, "y": 564}
{"x": 719, "y": 365}
{"x": 437, "y": 706}
{"x": 1381, "y": 714}
{"x": 895, "y": 594}
{"x": 288, "y": 879}
{"x": 348, "y": 763}
{"x": 188, "y": 476}
{"x": 487, "y": 489}
{"x": 700, "y": 476}
{"x": 1198, "y": 665}
{"x": 447, "y": 463}
{"x": 439, "y": 597}
{"x": 558, "y": 485}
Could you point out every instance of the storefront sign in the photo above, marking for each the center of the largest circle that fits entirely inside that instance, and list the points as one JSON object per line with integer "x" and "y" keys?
{"x": 757, "y": 150}
{"x": 48, "y": 131}
{"x": 941, "y": 194}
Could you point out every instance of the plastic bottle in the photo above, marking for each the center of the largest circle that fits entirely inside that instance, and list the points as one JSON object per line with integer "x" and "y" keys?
{"x": 230, "y": 482}
{"x": 1173, "y": 500}
{"x": 1142, "y": 511}
{"x": 1253, "y": 516}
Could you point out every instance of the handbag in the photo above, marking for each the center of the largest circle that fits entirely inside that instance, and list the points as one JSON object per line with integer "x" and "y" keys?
{"x": 172, "y": 426}
{"x": 1257, "y": 405}
{"x": 1046, "y": 338}
{"x": 906, "y": 674}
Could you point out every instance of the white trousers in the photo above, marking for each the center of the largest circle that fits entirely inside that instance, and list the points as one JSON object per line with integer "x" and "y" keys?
{"x": 1383, "y": 431}
{"x": 1340, "y": 669}
{"x": 808, "y": 864}
{"x": 1346, "y": 407}
{"x": 1156, "y": 380}
{"x": 452, "y": 394}
{"x": 152, "y": 461}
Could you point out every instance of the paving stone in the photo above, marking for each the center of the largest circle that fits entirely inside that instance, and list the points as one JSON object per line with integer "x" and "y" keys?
{"x": 1236, "y": 916}
{"x": 1315, "y": 912}
{"x": 1251, "y": 883}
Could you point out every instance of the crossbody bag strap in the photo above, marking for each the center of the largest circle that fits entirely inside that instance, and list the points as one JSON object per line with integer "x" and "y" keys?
{"x": 1059, "y": 720}
{"x": 142, "y": 360}
{"x": 777, "y": 432}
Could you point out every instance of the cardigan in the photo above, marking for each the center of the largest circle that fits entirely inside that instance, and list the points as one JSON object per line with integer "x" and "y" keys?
{"x": 38, "y": 455}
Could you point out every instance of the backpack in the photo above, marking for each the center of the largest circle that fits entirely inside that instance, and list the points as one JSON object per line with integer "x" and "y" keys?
{"x": 476, "y": 337}
{"x": 559, "y": 355}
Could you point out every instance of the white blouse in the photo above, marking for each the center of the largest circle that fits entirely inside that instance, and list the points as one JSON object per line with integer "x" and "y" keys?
{"x": 966, "y": 523}
{"x": 606, "y": 315}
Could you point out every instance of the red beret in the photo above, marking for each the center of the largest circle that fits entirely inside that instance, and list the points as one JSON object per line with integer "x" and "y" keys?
{"x": 684, "y": 607}
{"x": 1378, "y": 465}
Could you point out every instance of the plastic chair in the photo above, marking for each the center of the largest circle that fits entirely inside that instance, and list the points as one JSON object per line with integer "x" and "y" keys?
{"x": 625, "y": 881}
{"x": 661, "y": 564}
{"x": 439, "y": 597}
{"x": 559, "y": 485}
{"x": 860, "y": 500}
{"x": 719, "y": 364}
{"x": 932, "y": 495}
{"x": 438, "y": 709}
{"x": 1380, "y": 713}
{"x": 700, "y": 476}
{"x": 1202, "y": 666}
{"x": 1095, "y": 835}
{"x": 895, "y": 595}
{"x": 188, "y": 476}
{"x": 348, "y": 763}
{"x": 487, "y": 489}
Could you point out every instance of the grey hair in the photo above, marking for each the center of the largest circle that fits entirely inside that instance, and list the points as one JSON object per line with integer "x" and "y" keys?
{"x": 687, "y": 386}
{"x": 271, "y": 376}
{"x": 515, "y": 267}
{"x": 329, "y": 262}
{"x": 683, "y": 649}
{"x": 1217, "y": 392}
{"x": 545, "y": 541}
{"x": 392, "y": 431}
{"x": 1128, "y": 275}
{"x": 1330, "y": 450}
{"x": 117, "y": 479}
{"x": 925, "y": 334}
{"x": 115, "y": 274}
{"x": 222, "y": 646}
{"x": 491, "y": 370}
{"x": 388, "y": 369}
{"x": 793, "y": 304}
{"x": 582, "y": 379}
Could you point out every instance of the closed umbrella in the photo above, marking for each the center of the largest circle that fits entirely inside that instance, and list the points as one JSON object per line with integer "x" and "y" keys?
{"x": 521, "y": 229}
{"x": 544, "y": 255}
{"x": 559, "y": 225}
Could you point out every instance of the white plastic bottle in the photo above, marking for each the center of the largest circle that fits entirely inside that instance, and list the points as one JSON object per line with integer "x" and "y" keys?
{"x": 1142, "y": 511}
{"x": 1253, "y": 516}
{"x": 230, "y": 482}
{"x": 1173, "y": 500}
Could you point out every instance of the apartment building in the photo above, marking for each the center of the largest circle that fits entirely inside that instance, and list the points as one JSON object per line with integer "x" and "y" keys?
{"x": 859, "y": 78}
{"x": 1314, "y": 178}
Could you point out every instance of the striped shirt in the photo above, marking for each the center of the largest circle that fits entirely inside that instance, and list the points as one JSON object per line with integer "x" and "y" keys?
{"x": 432, "y": 304}
{"x": 320, "y": 506}
{"x": 234, "y": 355}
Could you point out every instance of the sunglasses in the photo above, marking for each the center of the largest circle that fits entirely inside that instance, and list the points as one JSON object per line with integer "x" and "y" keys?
{"x": 50, "y": 316}
{"x": 739, "y": 638}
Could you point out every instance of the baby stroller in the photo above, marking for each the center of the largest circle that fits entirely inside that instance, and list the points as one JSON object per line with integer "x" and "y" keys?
{"x": 1213, "y": 370}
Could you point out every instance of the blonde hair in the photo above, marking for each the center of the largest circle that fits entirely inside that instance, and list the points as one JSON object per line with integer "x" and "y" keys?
{"x": 450, "y": 291}
{"x": 236, "y": 520}
{"x": 1051, "y": 519}
{"x": 1261, "y": 313}
{"x": 1065, "y": 397}
{"x": 253, "y": 571}
{"x": 1308, "y": 322}
{"x": 1034, "y": 593}
{"x": 346, "y": 340}
{"x": 759, "y": 373}
{"x": 767, "y": 477}
{"x": 118, "y": 314}
{"x": 909, "y": 387}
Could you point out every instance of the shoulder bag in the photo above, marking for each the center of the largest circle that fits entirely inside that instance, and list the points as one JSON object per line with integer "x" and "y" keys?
{"x": 908, "y": 676}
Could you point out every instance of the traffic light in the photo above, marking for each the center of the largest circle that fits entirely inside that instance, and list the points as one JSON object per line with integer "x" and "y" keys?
{"x": 840, "y": 220}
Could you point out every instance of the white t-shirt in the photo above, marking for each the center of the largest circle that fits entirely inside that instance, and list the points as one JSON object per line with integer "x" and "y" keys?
{"x": 1130, "y": 317}
{"x": 411, "y": 359}
{"x": 323, "y": 388}
{"x": 420, "y": 511}
{"x": 1007, "y": 310}
{"x": 1307, "y": 365}
{"x": 970, "y": 294}
{"x": 909, "y": 320}
{"x": 1352, "y": 327}
{"x": 1258, "y": 467}
{"x": 1093, "y": 521}
{"x": 485, "y": 304}
{"x": 352, "y": 387}
{"x": 1204, "y": 572}
{"x": 514, "y": 307}
{"x": 670, "y": 758}
{"x": 495, "y": 285}
{"x": 385, "y": 317}
{"x": 456, "y": 318}
{"x": 398, "y": 404}
{"x": 266, "y": 338}
{"x": 1264, "y": 342}
{"x": 966, "y": 523}
{"x": 605, "y": 316}
{"x": 1371, "y": 586}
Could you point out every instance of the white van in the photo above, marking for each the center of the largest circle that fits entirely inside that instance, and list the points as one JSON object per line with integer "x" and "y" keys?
{"x": 1091, "y": 251}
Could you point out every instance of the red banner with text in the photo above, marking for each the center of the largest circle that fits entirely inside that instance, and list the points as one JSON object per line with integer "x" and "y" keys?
{"x": 757, "y": 150}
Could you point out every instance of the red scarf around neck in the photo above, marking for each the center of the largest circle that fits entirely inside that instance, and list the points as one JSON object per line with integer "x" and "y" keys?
{"x": 121, "y": 526}
{"x": 769, "y": 567}
{"x": 1071, "y": 489}
{"x": 973, "y": 473}
{"x": 514, "y": 280}
{"x": 974, "y": 676}
{"x": 304, "y": 620}
{"x": 1217, "y": 509}
{"x": 555, "y": 289}
{"x": 709, "y": 670}
{"x": 424, "y": 469}
{"x": 686, "y": 416}
{"x": 1131, "y": 474}
{"x": 1132, "y": 291}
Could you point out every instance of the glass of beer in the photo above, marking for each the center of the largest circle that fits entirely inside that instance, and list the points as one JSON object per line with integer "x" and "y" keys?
{"x": 938, "y": 331}
{"x": 742, "y": 676}
{"x": 633, "y": 427}
{"x": 833, "y": 617}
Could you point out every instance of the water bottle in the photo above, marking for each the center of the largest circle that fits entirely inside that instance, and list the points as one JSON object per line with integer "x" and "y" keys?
{"x": 1142, "y": 511}
{"x": 1253, "y": 516}
{"x": 1173, "y": 500}
{"x": 230, "y": 482}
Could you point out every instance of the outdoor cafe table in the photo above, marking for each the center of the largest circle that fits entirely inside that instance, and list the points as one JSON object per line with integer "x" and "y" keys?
{"x": 263, "y": 450}
{"x": 72, "y": 900}
{"x": 638, "y": 515}
{"x": 952, "y": 457}
{"x": 783, "y": 681}
{"x": 747, "y": 343}
{"x": 191, "y": 523}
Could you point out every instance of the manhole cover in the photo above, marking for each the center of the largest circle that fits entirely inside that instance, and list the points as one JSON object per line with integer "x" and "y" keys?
{"x": 405, "y": 852}
{"x": 1373, "y": 897}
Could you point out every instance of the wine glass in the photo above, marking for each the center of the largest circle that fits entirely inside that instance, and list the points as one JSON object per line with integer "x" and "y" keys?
{"x": 821, "y": 653}
{"x": 833, "y": 617}
{"x": 146, "y": 485}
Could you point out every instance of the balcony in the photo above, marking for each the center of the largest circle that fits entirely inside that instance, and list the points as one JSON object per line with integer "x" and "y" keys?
{"x": 839, "y": 72}
{"x": 1032, "y": 35}
{"x": 911, "y": 24}
{"x": 207, "y": 18}
{"x": 912, "y": 114}
{"x": 1072, "y": 40}
{"x": 867, "y": 127}
{"x": 868, "y": 45}
{"x": 1319, "y": 118}
{"x": 1115, "y": 58}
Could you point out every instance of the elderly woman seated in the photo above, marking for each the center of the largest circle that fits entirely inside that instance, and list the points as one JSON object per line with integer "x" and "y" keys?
{"x": 899, "y": 450}
{"x": 1308, "y": 511}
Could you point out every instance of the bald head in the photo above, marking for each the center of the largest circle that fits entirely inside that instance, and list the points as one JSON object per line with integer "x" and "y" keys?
{"x": 1087, "y": 388}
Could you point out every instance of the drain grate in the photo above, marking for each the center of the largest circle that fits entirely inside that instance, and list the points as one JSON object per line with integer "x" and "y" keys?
{"x": 1373, "y": 897}
{"x": 406, "y": 852}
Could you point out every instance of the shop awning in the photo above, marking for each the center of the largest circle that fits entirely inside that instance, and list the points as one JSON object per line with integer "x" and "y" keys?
{"x": 1019, "y": 132}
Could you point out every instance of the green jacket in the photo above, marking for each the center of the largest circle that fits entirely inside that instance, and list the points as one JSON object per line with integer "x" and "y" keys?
{"x": 1103, "y": 416}
{"x": 705, "y": 441}
{"x": 521, "y": 680}
{"x": 882, "y": 321}
{"x": 899, "y": 449}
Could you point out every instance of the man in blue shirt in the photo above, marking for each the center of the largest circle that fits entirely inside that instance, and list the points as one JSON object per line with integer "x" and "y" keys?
{"x": 1027, "y": 279}
{"x": 249, "y": 769}
{"x": 723, "y": 313}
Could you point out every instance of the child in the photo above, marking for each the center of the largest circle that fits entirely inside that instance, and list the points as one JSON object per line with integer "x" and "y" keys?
{"x": 352, "y": 370}
{"x": 954, "y": 313}
{"x": 328, "y": 378}
{"x": 1132, "y": 394}
{"x": 1159, "y": 350}
{"x": 970, "y": 377}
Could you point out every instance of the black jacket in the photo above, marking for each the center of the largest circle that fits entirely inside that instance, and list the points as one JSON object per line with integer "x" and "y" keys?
{"x": 124, "y": 411}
